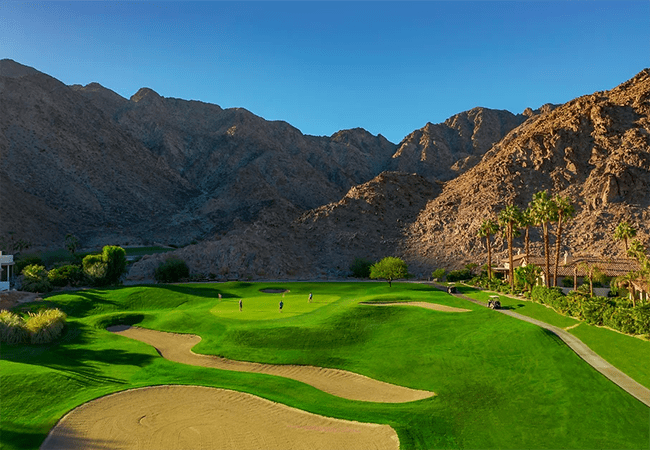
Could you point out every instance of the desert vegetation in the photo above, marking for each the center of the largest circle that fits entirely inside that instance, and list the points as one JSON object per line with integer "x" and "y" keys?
{"x": 41, "y": 327}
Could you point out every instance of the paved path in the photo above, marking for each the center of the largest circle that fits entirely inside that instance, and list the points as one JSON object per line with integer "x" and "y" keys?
{"x": 635, "y": 389}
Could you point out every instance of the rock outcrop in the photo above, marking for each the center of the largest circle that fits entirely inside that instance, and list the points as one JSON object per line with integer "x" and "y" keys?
{"x": 594, "y": 149}
{"x": 445, "y": 150}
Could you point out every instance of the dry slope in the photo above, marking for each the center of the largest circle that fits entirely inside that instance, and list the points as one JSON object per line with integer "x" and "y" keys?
{"x": 595, "y": 149}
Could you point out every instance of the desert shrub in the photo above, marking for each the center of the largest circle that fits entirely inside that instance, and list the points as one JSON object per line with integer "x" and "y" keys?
{"x": 12, "y": 328}
{"x": 45, "y": 326}
{"x": 439, "y": 274}
{"x": 66, "y": 275}
{"x": 459, "y": 275}
{"x": 35, "y": 279}
{"x": 172, "y": 271}
{"x": 360, "y": 268}
{"x": 40, "y": 328}
{"x": 106, "y": 268}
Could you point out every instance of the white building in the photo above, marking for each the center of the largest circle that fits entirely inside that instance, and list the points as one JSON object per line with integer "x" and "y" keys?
{"x": 6, "y": 270}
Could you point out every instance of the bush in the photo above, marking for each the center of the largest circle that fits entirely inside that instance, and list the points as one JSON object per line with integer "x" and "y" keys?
{"x": 172, "y": 271}
{"x": 438, "y": 274}
{"x": 35, "y": 279}
{"x": 459, "y": 275}
{"x": 45, "y": 326}
{"x": 360, "y": 268}
{"x": 40, "y": 328}
{"x": 106, "y": 268}
{"x": 21, "y": 263}
{"x": 567, "y": 282}
{"x": 12, "y": 328}
{"x": 66, "y": 275}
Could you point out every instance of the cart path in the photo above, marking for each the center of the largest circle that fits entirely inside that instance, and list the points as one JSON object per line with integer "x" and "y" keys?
{"x": 619, "y": 378}
{"x": 341, "y": 383}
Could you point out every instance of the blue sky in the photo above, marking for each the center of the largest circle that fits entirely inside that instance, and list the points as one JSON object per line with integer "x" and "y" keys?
{"x": 389, "y": 67}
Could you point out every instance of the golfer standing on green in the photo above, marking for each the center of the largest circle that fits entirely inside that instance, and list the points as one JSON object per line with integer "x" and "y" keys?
{"x": 281, "y": 305}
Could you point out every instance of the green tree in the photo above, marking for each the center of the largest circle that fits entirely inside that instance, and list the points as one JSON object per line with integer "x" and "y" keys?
{"x": 172, "y": 271}
{"x": 438, "y": 274}
{"x": 107, "y": 267}
{"x": 544, "y": 211}
{"x": 565, "y": 212}
{"x": 627, "y": 282}
{"x": 528, "y": 276}
{"x": 508, "y": 218}
{"x": 360, "y": 268}
{"x": 624, "y": 231}
{"x": 71, "y": 243}
{"x": 525, "y": 222}
{"x": 488, "y": 228}
{"x": 593, "y": 273}
{"x": 389, "y": 268}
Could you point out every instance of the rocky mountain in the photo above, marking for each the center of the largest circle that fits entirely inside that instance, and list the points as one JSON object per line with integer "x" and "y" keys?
{"x": 84, "y": 160}
{"x": 370, "y": 222}
{"x": 445, "y": 150}
{"x": 266, "y": 201}
{"x": 65, "y": 167}
{"x": 594, "y": 149}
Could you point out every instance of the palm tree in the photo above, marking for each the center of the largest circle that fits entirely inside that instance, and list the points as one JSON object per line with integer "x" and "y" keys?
{"x": 593, "y": 272}
{"x": 565, "y": 212}
{"x": 488, "y": 228}
{"x": 637, "y": 251}
{"x": 508, "y": 218}
{"x": 624, "y": 231}
{"x": 627, "y": 282}
{"x": 525, "y": 222}
{"x": 528, "y": 276}
{"x": 544, "y": 211}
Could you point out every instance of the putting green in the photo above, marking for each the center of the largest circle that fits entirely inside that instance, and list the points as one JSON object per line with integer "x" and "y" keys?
{"x": 267, "y": 307}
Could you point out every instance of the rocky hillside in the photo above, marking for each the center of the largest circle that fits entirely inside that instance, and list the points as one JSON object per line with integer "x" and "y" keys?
{"x": 84, "y": 160}
{"x": 369, "y": 222}
{"x": 445, "y": 150}
{"x": 595, "y": 149}
{"x": 66, "y": 167}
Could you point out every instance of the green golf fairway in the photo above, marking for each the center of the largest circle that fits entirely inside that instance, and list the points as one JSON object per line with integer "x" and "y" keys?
{"x": 500, "y": 382}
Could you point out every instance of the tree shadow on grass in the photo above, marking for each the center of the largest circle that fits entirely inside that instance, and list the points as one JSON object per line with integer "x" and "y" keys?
{"x": 72, "y": 359}
{"x": 81, "y": 305}
{"x": 513, "y": 307}
{"x": 70, "y": 438}
{"x": 195, "y": 290}
{"x": 19, "y": 436}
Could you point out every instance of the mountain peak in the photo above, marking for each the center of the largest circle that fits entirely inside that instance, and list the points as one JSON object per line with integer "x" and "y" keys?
{"x": 11, "y": 69}
{"x": 145, "y": 93}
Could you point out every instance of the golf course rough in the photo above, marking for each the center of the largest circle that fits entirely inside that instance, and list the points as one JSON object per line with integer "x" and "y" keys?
{"x": 184, "y": 417}
{"x": 178, "y": 348}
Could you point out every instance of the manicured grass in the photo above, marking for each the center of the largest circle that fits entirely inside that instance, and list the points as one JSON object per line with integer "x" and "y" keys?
{"x": 501, "y": 383}
{"x": 523, "y": 307}
{"x": 627, "y": 353}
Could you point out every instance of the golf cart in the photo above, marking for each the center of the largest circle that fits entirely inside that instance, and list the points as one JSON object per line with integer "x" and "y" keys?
{"x": 494, "y": 302}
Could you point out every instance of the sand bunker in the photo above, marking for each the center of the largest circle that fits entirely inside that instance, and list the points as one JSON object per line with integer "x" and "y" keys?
{"x": 186, "y": 417}
{"x": 177, "y": 348}
{"x": 434, "y": 306}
